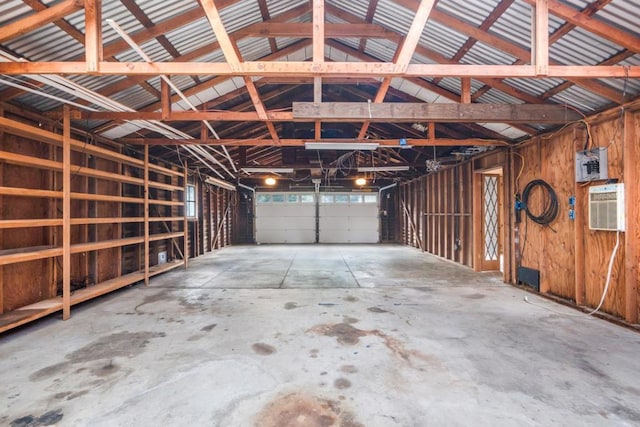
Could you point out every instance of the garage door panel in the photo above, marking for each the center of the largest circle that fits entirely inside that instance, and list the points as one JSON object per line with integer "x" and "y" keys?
{"x": 286, "y": 236}
{"x": 342, "y": 218}
{"x": 362, "y": 223}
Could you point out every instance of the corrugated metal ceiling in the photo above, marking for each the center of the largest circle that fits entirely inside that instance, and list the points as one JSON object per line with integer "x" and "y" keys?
{"x": 50, "y": 43}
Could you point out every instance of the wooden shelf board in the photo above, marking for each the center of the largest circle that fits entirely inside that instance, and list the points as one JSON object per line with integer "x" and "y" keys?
{"x": 12, "y": 256}
{"x": 156, "y": 237}
{"x": 166, "y": 203}
{"x": 166, "y": 218}
{"x": 118, "y": 220}
{"x": 105, "y": 244}
{"x": 161, "y": 268}
{"x": 29, "y": 192}
{"x": 29, "y": 313}
{"x": 25, "y": 223}
{"x": 105, "y": 287}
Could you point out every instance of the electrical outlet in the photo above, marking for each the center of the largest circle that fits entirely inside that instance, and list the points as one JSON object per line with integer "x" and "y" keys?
{"x": 572, "y": 200}
{"x": 572, "y": 214}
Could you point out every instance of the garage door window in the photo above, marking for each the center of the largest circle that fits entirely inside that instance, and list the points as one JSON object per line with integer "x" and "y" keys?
{"x": 264, "y": 198}
{"x": 292, "y": 198}
{"x": 355, "y": 199}
{"x": 326, "y": 198}
{"x": 342, "y": 198}
{"x": 370, "y": 198}
{"x": 277, "y": 198}
{"x": 307, "y": 198}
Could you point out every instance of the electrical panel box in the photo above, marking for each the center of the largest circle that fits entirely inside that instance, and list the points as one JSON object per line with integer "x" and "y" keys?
{"x": 606, "y": 207}
{"x": 162, "y": 257}
{"x": 591, "y": 165}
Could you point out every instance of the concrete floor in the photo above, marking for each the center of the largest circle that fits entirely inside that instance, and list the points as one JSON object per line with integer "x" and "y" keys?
{"x": 312, "y": 336}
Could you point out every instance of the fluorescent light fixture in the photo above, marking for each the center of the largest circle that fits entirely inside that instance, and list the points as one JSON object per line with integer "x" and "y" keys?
{"x": 367, "y": 146}
{"x": 383, "y": 169}
{"x": 220, "y": 183}
{"x": 268, "y": 170}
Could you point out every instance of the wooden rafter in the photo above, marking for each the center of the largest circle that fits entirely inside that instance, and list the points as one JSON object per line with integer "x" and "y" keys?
{"x": 39, "y": 19}
{"x": 593, "y": 25}
{"x": 371, "y": 11}
{"x": 264, "y": 11}
{"x": 230, "y": 54}
{"x": 413, "y": 35}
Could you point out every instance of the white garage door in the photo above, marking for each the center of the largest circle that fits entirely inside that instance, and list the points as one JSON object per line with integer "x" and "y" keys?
{"x": 348, "y": 218}
{"x": 285, "y": 218}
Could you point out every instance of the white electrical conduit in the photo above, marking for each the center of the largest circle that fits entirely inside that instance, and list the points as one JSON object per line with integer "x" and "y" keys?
{"x": 167, "y": 80}
{"x": 79, "y": 91}
{"x": 44, "y": 94}
{"x": 604, "y": 291}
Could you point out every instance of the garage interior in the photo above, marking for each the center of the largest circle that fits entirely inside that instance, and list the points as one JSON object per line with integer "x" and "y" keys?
{"x": 319, "y": 213}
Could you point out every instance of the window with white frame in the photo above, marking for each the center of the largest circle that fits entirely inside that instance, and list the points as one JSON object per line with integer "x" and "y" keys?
{"x": 191, "y": 201}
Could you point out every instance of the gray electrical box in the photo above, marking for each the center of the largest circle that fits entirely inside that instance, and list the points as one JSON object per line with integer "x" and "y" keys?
{"x": 591, "y": 165}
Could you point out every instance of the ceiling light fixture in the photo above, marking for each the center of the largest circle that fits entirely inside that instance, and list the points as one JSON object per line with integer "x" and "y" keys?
{"x": 270, "y": 181}
{"x": 347, "y": 146}
{"x": 220, "y": 183}
{"x": 383, "y": 168}
{"x": 361, "y": 181}
{"x": 267, "y": 170}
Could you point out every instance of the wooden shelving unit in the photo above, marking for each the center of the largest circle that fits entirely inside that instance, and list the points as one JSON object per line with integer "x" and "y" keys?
{"x": 75, "y": 201}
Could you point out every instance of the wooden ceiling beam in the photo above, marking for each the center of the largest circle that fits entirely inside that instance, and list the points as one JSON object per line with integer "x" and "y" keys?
{"x": 555, "y": 70}
{"x": 444, "y": 113}
{"x": 371, "y": 11}
{"x": 38, "y": 6}
{"x": 495, "y": 14}
{"x": 284, "y": 142}
{"x": 266, "y": 16}
{"x": 93, "y": 34}
{"x": 229, "y": 50}
{"x": 305, "y": 30}
{"x": 331, "y": 69}
{"x": 540, "y": 37}
{"x": 413, "y": 35}
{"x": 593, "y": 25}
{"x": 36, "y": 20}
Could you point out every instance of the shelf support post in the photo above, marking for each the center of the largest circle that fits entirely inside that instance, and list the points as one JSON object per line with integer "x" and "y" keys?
{"x": 146, "y": 215}
{"x": 66, "y": 214}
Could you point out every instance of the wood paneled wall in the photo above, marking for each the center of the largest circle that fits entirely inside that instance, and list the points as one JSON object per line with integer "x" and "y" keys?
{"x": 435, "y": 212}
{"x": 572, "y": 259}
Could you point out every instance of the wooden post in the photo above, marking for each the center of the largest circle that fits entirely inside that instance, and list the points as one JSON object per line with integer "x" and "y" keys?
{"x": 578, "y": 234}
{"x": 541, "y": 38}
{"x": 465, "y": 92}
{"x": 146, "y": 215}
{"x": 317, "y": 97}
{"x": 185, "y": 220}
{"x": 93, "y": 34}
{"x": 66, "y": 215}
{"x": 631, "y": 151}
{"x": 1, "y": 217}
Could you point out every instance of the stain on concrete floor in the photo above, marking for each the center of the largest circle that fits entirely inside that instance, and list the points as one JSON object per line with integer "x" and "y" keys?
{"x": 301, "y": 410}
{"x": 263, "y": 349}
{"x": 47, "y": 419}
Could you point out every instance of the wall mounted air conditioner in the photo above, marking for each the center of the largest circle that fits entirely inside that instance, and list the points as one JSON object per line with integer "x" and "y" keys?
{"x": 606, "y": 207}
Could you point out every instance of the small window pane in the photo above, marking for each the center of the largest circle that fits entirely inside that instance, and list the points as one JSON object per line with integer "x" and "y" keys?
{"x": 191, "y": 201}
{"x": 326, "y": 198}
{"x": 342, "y": 198}
{"x": 292, "y": 198}
{"x": 277, "y": 198}
{"x": 355, "y": 198}
{"x": 264, "y": 198}
{"x": 370, "y": 198}
{"x": 307, "y": 198}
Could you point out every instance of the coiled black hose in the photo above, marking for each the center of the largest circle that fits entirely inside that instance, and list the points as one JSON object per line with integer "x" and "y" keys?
{"x": 550, "y": 211}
